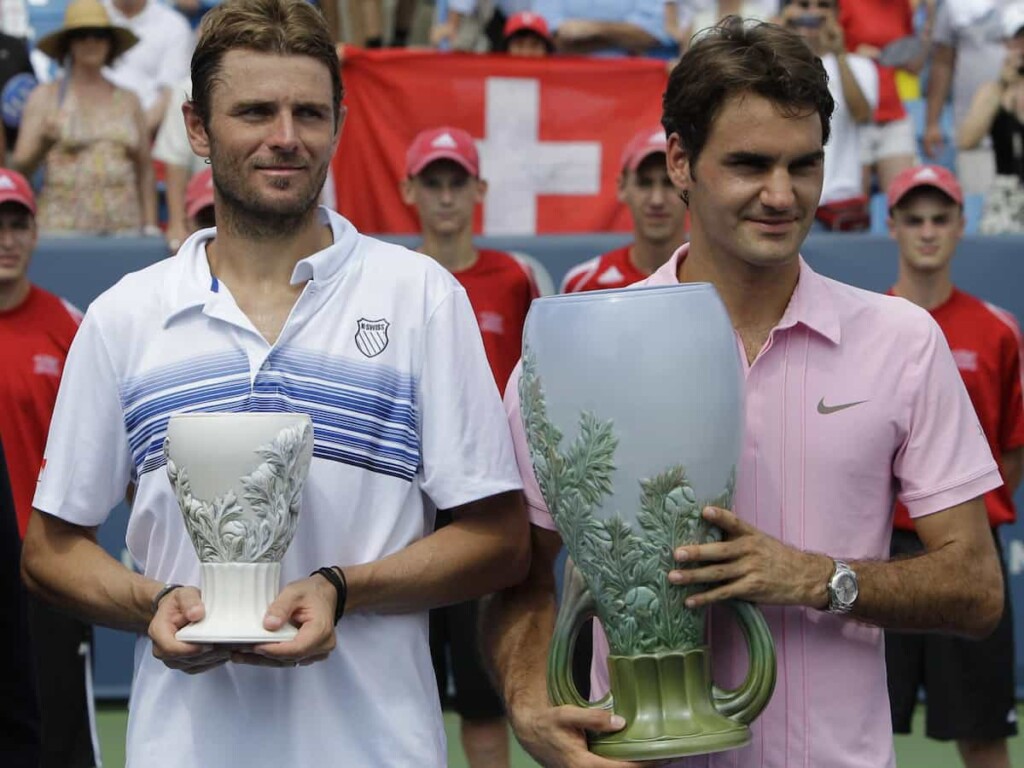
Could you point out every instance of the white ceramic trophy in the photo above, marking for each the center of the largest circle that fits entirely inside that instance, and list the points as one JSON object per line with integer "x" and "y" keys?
{"x": 238, "y": 479}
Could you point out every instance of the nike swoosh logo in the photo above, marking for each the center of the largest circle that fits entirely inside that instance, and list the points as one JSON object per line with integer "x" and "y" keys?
{"x": 827, "y": 409}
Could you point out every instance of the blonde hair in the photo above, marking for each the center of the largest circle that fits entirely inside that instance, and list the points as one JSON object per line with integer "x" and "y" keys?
{"x": 284, "y": 27}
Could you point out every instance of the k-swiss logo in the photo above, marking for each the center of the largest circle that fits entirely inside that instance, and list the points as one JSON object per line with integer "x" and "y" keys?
{"x": 966, "y": 359}
{"x": 6, "y": 182}
{"x": 825, "y": 410}
{"x": 372, "y": 336}
{"x": 444, "y": 141}
{"x": 46, "y": 365}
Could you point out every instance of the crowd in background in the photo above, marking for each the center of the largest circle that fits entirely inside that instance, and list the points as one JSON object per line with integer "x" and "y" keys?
{"x": 91, "y": 107}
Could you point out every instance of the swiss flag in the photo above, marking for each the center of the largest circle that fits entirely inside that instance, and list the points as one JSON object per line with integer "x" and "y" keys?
{"x": 550, "y": 133}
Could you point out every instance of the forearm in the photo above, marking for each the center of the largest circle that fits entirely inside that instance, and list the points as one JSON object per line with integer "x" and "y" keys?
{"x": 516, "y": 629}
{"x": 610, "y": 34}
{"x": 155, "y": 113}
{"x": 26, "y": 159}
{"x": 1011, "y": 466}
{"x": 978, "y": 121}
{"x": 147, "y": 192}
{"x": 486, "y": 548}
{"x": 939, "y": 79}
{"x": 64, "y": 564}
{"x": 176, "y": 179}
{"x": 860, "y": 109}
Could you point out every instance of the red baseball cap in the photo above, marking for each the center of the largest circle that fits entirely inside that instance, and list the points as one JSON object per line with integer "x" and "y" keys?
{"x": 14, "y": 188}
{"x": 527, "y": 21}
{"x": 924, "y": 176}
{"x": 645, "y": 143}
{"x": 444, "y": 143}
{"x": 199, "y": 192}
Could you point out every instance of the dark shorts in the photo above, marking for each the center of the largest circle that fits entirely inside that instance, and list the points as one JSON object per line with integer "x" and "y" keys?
{"x": 968, "y": 684}
{"x": 455, "y": 652}
{"x": 61, "y": 646}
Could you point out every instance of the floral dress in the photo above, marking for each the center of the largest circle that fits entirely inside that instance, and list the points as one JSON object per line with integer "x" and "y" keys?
{"x": 91, "y": 182}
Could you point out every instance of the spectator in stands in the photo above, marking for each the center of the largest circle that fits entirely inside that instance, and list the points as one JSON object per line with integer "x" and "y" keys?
{"x": 853, "y": 82}
{"x": 967, "y": 52}
{"x": 17, "y": 79}
{"x": 36, "y": 329}
{"x": 180, "y": 163}
{"x": 443, "y": 183}
{"x": 372, "y": 16}
{"x": 161, "y": 59}
{"x": 89, "y": 135}
{"x": 527, "y": 34}
{"x": 464, "y": 25}
{"x": 659, "y": 219}
{"x": 969, "y": 684}
{"x": 997, "y": 113}
{"x": 199, "y": 209}
{"x": 685, "y": 17}
{"x": 871, "y": 27}
{"x": 582, "y": 26}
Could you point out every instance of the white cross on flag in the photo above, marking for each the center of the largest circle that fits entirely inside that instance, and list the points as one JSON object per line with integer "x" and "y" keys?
{"x": 550, "y": 133}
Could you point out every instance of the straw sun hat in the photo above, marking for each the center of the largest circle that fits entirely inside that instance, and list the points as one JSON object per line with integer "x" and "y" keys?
{"x": 86, "y": 14}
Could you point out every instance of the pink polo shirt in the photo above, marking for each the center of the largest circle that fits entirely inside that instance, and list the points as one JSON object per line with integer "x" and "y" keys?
{"x": 823, "y": 479}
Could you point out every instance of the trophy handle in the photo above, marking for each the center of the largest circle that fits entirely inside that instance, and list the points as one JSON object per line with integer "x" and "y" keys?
{"x": 577, "y": 605}
{"x": 746, "y": 702}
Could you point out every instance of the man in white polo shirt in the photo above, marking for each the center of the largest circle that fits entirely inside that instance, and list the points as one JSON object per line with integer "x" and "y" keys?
{"x": 851, "y": 398}
{"x": 283, "y": 307}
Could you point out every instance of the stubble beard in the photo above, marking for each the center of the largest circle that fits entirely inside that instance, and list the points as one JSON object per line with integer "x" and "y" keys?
{"x": 243, "y": 213}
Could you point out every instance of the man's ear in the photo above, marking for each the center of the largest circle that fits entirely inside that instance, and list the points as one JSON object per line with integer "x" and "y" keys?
{"x": 620, "y": 188}
{"x": 481, "y": 190}
{"x": 405, "y": 186}
{"x": 198, "y": 138}
{"x": 677, "y": 162}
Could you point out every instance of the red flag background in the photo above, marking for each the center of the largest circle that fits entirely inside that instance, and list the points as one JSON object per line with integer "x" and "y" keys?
{"x": 550, "y": 134}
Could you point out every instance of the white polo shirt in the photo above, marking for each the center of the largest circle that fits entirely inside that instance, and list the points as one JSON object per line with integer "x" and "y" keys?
{"x": 854, "y": 400}
{"x": 383, "y": 352}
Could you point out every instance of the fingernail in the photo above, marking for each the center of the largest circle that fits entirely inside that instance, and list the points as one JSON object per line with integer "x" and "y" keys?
{"x": 617, "y": 721}
{"x": 682, "y": 554}
{"x": 709, "y": 512}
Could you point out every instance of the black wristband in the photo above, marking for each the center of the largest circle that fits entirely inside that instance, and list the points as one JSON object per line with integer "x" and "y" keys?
{"x": 161, "y": 595}
{"x": 336, "y": 576}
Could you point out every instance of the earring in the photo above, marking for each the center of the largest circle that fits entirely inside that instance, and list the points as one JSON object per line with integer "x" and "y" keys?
{"x": 685, "y": 194}
{"x": 206, "y": 160}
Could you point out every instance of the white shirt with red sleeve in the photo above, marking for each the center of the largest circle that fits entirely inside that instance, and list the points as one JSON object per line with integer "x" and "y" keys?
{"x": 821, "y": 477}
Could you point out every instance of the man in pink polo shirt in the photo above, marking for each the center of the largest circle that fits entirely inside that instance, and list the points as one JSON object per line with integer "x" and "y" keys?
{"x": 852, "y": 399}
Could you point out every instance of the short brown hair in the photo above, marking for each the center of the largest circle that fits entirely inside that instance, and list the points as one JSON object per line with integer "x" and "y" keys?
{"x": 736, "y": 57}
{"x": 284, "y": 27}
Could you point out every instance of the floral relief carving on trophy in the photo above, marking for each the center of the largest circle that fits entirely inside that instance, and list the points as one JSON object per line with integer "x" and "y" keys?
{"x": 222, "y": 531}
{"x": 629, "y": 571}
{"x": 238, "y": 479}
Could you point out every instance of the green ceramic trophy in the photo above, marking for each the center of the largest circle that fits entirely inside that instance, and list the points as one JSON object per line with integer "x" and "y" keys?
{"x": 632, "y": 402}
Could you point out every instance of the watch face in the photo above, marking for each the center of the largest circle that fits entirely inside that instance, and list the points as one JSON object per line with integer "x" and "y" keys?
{"x": 845, "y": 588}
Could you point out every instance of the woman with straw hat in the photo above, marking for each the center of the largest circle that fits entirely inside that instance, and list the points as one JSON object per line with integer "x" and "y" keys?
{"x": 88, "y": 134}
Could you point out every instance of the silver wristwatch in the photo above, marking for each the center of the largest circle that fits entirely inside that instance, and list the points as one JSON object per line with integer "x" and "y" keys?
{"x": 842, "y": 589}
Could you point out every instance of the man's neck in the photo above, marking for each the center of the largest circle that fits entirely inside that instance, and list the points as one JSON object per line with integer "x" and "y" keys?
{"x": 12, "y": 294}
{"x": 647, "y": 256}
{"x": 131, "y": 8}
{"x": 926, "y": 289}
{"x": 453, "y": 252}
{"x": 246, "y": 260}
{"x": 755, "y": 297}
